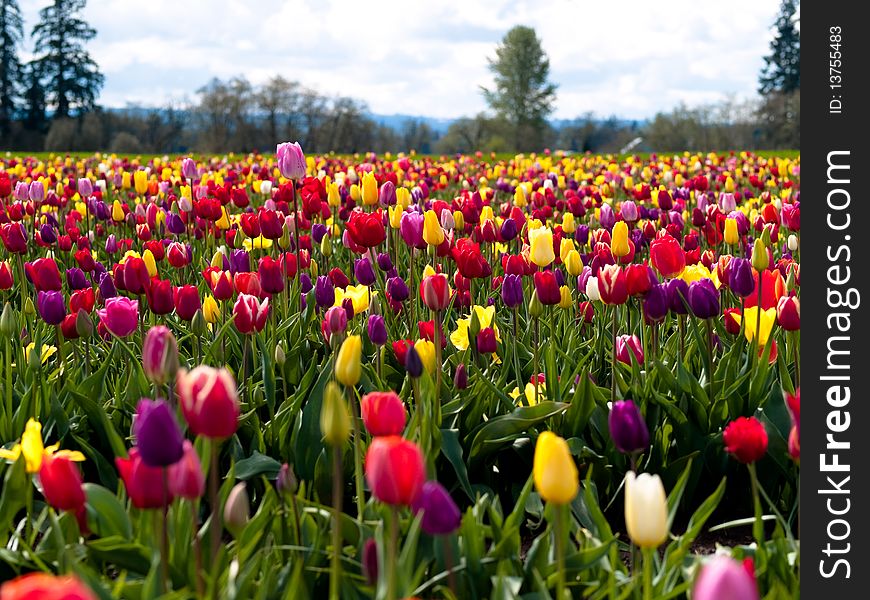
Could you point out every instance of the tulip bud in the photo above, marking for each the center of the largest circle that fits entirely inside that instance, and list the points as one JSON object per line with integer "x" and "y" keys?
{"x": 536, "y": 307}
{"x": 334, "y": 420}
{"x": 347, "y": 364}
{"x": 237, "y": 509}
{"x": 554, "y": 471}
{"x": 760, "y": 260}
{"x": 628, "y": 430}
{"x": 8, "y": 322}
{"x": 286, "y": 481}
{"x": 460, "y": 377}
{"x": 792, "y": 242}
{"x": 280, "y": 356}
{"x": 413, "y": 364}
{"x": 646, "y": 510}
{"x": 29, "y": 308}
{"x": 198, "y": 324}
{"x": 84, "y": 324}
{"x": 441, "y": 516}
{"x": 370, "y": 561}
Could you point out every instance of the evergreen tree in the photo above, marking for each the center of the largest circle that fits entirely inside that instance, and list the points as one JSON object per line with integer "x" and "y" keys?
{"x": 11, "y": 34}
{"x": 522, "y": 95}
{"x": 71, "y": 77}
{"x": 782, "y": 69}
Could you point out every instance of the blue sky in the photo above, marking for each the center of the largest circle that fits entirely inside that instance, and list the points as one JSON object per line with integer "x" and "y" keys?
{"x": 630, "y": 58}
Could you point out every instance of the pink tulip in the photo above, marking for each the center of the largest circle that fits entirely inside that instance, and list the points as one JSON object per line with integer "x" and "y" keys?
{"x": 120, "y": 316}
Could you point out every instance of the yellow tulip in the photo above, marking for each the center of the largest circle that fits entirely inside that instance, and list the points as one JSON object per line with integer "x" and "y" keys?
{"x": 355, "y": 193}
{"x": 333, "y": 198}
{"x": 426, "y": 351}
{"x": 554, "y": 470}
{"x": 768, "y": 318}
{"x": 458, "y": 220}
{"x": 619, "y": 241}
{"x": 403, "y": 197}
{"x": 125, "y": 180}
{"x": 150, "y": 263}
{"x": 395, "y": 213}
{"x": 486, "y": 214}
{"x": 117, "y": 212}
{"x": 573, "y": 263}
{"x": 358, "y": 294}
{"x": 565, "y": 247}
{"x": 369, "y": 189}
{"x": 32, "y": 447}
{"x": 140, "y": 182}
{"x": 210, "y": 309}
{"x": 520, "y": 197}
{"x": 646, "y": 510}
{"x": 541, "y": 241}
{"x": 485, "y": 317}
{"x": 694, "y": 273}
{"x": 529, "y": 393}
{"x": 565, "y": 299}
{"x": 347, "y": 364}
{"x": 224, "y": 222}
{"x": 731, "y": 235}
{"x": 334, "y": 420}
{"x": 46, "y": 353}
{"x": 568, "y": 224}
{"x": 433, "y": 234}
{"x": 729, "y": 184}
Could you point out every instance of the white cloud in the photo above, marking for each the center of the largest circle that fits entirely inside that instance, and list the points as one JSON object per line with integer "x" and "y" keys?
{"x": 629, "y": 58}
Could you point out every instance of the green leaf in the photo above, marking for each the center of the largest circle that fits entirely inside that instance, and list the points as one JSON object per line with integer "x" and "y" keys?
{"x": 452, "y": 451}
{"x": 106, "y": 515}
{"x": 504, "y": 429}
{"x": 257, "y": 464}
{"x": 14, "y": 490}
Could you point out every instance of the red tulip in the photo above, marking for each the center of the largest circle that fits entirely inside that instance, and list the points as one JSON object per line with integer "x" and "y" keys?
{"x": 250, "y": 223}
{"x": 469, "y": 259}
{"x": 248, "y": 283}
{"x": 639, "y": 279}
{"x": 177, "y": 255}
{"x": 383, "y": 413}
{"x": 772, "y": 289}
{"x": 626, "y": 343}
{"x": 271, "y": 224}
{"x": 209, "y": 401}
{"x": 160, "y": 297}
{"x": 745, "y": 439}
{"x": 667, "y": 256}
{"x": 134, "y": 275}
{"x": 547, "y": 287}
{"x": 395, "y": 470}
{"x": 144, "y": 484}
{"x": 221, "y": 283}
{"x": 732, "y": 326}
{"x": 6, "y": 280}
{"x": 250, "y": 314}
{"x": 61, "y": 483}
{"x": 271, "y": 275}
{"x": 435, "y": 291}
{"x": 788, "y": 313}
{"x": 186, "y": 479}
{"x": 82, "y": 299}
{"x": 400, "y": 348}
{"x": 187, "y": 301}
{"x": 14, "y": 237}
{"x": 366, "y": 229}
{"x": 612, "y": 284}
{"x": 44, "y": 275}
{"x": 43, "y": 586}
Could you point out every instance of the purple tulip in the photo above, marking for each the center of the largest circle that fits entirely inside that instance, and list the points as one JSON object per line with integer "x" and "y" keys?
{"x": 656, "y": 303}
{"x": 678, "y": 292}
{"x": 628, "y": 210}
{"x": 324, "y": 292}
{"x": 582, "y": 278}
{"x": 51, "y": 307}
{"x": 46, "y": 232}
{"x": 363, "y": 271}
{"x": 107, "y": 286}
{"x": 581, "y": 235}
{"x": 36, "y": 191}
{"x": 370, "y": 561}
{"x": 336, "y": 320}
{"x": 377, "y": 330}
{"x": 704, "y": 299}
{"x": 607, "y": 219}
{"x": 397, "y": 289}
{"x": 727, "y": 202}
{"x": 441, "y": 516}
{"x": 85, "y": 188}
{"x": 387, "y": 194}
{"x": 413, "y": 364}
{"x": 628, "y": 430}
{"x": 291, "y": 160}
{"x": 305, "y": 283}
{"x": 240, "y": 262}
{"x": 318, "y": 232}
{"x": 460, "y": 378}
{"x": 411, "y": 229}
{"x": 512, "y": 290}
{"x": 188, "y": 169}
{"x": 22, "y": 191}
{"x": 158, "y": 436}
{"x": 740, "y": 277}
{"x": 509, "y": 229}
{"x": 384, "y": 262}
{"x": 174, "y": 224}
{"x": 76, "y": 280}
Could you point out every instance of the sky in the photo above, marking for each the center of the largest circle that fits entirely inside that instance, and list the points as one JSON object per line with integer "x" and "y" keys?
{"x": 629, "y": 58}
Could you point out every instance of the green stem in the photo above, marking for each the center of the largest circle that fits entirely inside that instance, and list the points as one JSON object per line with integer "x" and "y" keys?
{"x": 393, "y": 552}
{"x": 335, "y": 569}
{"x": 559, "y": 524}
{"x": 647, "y": 573}
{"x": 613, "y": 357}
{"x": 709, "y": 323}
{"x": 357, "y": 457}
{"x": 758, "y": 523}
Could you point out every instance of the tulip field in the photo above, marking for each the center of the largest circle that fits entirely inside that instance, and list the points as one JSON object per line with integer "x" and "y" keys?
{"x": 283, "y": 376}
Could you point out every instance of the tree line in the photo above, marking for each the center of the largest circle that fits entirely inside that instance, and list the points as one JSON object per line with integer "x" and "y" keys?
{"x": 50, "y": 103}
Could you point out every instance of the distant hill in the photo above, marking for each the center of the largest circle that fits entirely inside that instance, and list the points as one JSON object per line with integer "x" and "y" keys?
{"x": 398, "y": 122}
